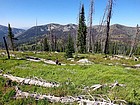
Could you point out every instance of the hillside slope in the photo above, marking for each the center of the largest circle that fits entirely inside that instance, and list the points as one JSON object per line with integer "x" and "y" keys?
{"x": 117, "y": 32}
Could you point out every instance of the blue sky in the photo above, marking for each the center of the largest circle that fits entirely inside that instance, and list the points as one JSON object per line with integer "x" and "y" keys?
{"x": 23, "y": 13}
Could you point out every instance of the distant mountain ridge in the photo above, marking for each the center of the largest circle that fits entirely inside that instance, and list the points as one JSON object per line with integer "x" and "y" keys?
{"x": 4, "y": 31}
{"x": 57, "y": 30}
{"x": 117, "y": 32}
{"x": 33, "y": 34}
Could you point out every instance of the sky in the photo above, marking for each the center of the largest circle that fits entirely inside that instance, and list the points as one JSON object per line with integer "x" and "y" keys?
{"x": 24, "y": 13}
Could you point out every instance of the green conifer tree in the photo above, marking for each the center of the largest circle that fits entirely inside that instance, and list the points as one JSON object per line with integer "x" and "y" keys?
{"x": 11, "y": 37}
{"x": 69, "y": 47}
{"x": 82, "y": 31}
{"x": 45, "y": 44}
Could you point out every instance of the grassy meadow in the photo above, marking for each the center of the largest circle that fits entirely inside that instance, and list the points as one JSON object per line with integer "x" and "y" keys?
{"x": 73, "y": 78}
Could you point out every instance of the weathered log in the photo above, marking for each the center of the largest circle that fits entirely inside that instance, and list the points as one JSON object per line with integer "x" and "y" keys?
{"x": 31, "y": 81}
{"x": 97, "y": 86}
{"x": 64, "y": 100}
{"x": 116, "y": 84}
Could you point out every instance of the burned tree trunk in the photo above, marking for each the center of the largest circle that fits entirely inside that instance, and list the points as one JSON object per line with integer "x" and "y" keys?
{"x": 134, "y": 42}
{"x": 106, "y": 51}
{"x": 6, "y": 47}
{"x": 51, "y": 39}
{"x": 90, "y": 38}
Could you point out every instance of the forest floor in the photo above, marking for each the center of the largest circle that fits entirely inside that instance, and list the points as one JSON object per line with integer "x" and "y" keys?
{"x": 75, "y": 77}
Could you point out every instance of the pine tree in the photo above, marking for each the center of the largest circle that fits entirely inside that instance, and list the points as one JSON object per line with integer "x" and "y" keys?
{"x": 69, "y": 47}
{"x": 81, "y": 37}
{"x": 11, "y": 37}
{"x": 46, "y": 45}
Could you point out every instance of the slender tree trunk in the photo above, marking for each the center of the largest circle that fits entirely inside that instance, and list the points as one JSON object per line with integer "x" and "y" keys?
{"x": 134, "y": 42}
{"x": 55, "y": 43}
{"x": 52, "y": 39}
{"x": 106, "y": 51}
{"x": 6, "y": 47}
{"x": 90, "y": 38}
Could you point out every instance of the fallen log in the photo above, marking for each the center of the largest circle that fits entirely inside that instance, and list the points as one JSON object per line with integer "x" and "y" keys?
{"x": 31, "y": 58}
{"x": 100, "y": 86}
{"x": 116, "y": 84}
{"x": 97, "y": 86}
{"x": 66, "y": 99}
{"x": 31, "y": 81}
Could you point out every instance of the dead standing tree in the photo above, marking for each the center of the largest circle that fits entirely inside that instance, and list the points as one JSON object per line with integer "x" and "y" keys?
{"x": 103, "y": 39}
{"x": 109, "y": 14}
{"x": 6, "y": 47}
{"x": 134, "y": 41}
{"x": 36, "y": 33}
{"x": 11, "y": 40}
{"x": 90, "y": 37}
{"x": 100, "y": 36}
{"x": 51, "y": 38}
